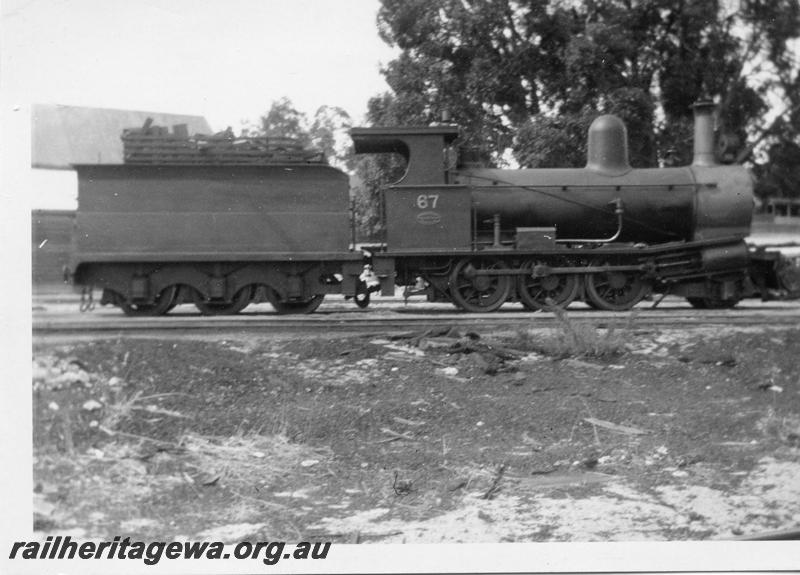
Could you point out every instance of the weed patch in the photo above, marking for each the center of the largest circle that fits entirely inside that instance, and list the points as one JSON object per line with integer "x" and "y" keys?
{"x": 578, "y": 338}
{"x": 246, "y": 461}
{"x": 785, "y": 428}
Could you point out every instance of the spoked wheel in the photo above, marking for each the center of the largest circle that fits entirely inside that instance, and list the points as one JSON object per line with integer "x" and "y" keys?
{"x": 479, "y": 293}
{"x": 241, "y": 300}
{"x": 297, "y": 307}
{"x": 615, "y": 291}
{"x": 560, "y": 289}
{"x": 162, "y": 303}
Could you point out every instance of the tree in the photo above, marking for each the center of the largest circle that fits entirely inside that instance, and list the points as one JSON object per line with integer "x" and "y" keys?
{"x": 780, "y": 177}
{"x": 531, "y": 74}
{"x": 327, "y": 132}
{"x": 283, "y": 120}
{"x": 374, "y": 172}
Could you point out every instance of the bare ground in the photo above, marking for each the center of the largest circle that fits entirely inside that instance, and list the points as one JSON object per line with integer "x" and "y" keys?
{"x": 572, "y": 434}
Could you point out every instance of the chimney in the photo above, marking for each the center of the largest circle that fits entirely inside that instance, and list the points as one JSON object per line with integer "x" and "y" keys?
{"x": 704, "y": 133}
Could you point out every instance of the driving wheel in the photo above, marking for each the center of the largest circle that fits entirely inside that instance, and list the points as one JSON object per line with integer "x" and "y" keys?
{"x": 479, "y": 293}
{"x": 615, "y": 290}
{"x": 534, "y": 292}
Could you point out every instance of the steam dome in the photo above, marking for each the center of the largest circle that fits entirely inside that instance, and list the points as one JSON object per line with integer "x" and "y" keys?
{"x": 607, "y": 150}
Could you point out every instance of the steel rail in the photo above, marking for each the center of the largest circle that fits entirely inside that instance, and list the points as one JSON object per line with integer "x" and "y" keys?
{"x": 381, "y": 323}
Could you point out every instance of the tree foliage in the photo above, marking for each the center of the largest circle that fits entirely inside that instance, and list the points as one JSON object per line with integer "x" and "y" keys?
{"x": 375, "y": 171}
{"x": 283, "y": 120}
{"x": 327, "y": 131}
{"x": 529, "y": 76}
{"x": 532, "y": 74}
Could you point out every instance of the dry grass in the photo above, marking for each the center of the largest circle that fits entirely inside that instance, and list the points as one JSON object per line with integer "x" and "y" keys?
{"x": 246, "y": 461}
{"x": 786, "y": 428}
{"x": 579, "y": 338}
{"x": 119, "y": 410}
{"x": 118, "y": 478}
{"x": 121, "y": 407}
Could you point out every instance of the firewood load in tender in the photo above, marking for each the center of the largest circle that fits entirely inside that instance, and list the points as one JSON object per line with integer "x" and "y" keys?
{"x": 158, "y": 145}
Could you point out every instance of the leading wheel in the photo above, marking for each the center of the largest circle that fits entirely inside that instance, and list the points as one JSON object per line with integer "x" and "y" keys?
{"x": 479, "y": 293}
{"x": 534, "y": 292}
{"x": 240, "y": 300}
{"x": 615, "y": 290}
{"x": 712, "y": 303}
{"x": 162, "y": 303}
{"x": 712, "y": 299}
{"x": 297, "y": 307}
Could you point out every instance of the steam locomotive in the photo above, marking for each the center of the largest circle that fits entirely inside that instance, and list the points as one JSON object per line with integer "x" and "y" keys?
{"x": 221, "y": 232}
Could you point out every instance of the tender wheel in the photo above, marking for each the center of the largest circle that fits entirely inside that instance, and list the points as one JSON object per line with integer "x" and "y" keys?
{"x": 240, "y": 300}
{"x": 297, "y": 307}
{"x": 162, "y": 303}
{"x": 479, "y": 293}
{"x": 534, "y": 292}
{"x": 615, "y": 291}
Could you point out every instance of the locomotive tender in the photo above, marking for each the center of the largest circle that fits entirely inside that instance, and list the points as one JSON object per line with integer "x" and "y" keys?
{"x": 156, "y": 234}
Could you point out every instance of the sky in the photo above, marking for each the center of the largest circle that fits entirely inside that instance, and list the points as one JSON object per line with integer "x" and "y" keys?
{"x": 225, "y": 60}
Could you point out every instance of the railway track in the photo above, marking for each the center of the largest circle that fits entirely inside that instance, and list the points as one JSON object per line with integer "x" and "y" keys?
{"x": 390, "y": 317}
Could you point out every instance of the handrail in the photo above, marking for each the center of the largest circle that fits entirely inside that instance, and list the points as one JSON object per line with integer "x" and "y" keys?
{"x": 619, "y": 211}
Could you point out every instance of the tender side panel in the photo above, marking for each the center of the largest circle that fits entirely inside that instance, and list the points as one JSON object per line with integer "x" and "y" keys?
{"x": 231, "y": 211}
{"x": 177, "y": 236}
{"x": 428, "y": 218}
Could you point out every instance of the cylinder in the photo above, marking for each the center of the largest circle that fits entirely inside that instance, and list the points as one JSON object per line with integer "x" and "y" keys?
{"x": 725, "y": 258}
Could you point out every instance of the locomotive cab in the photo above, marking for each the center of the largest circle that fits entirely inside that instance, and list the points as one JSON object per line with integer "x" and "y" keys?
{"x": 428, "y": 212}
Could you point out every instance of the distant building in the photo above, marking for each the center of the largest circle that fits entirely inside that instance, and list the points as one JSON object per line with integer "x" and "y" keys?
{"x": 784, "y": 209}
{"x": 62, "y": 136}
{"x": 66, "y": 135}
